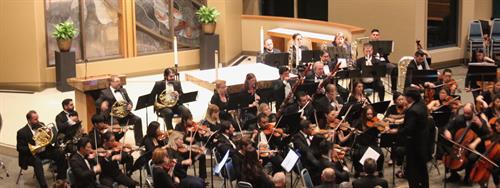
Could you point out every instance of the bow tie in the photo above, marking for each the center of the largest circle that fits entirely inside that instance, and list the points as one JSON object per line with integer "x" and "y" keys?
{"x": 117, "y": 90}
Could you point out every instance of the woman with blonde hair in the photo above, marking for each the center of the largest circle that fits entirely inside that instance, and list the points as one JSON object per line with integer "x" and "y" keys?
{"x": 212, "y": 118}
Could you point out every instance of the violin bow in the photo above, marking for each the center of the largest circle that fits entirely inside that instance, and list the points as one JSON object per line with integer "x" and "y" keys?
{"x": 95, "y": 141}
{"x": 471, "y": 150}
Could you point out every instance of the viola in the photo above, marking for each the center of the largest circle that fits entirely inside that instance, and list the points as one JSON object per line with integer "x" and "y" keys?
{"x": 377, "y": 123}
{"x": 481, "y": 171}
{"x": 264, "y": 151}
{"x": 458, "y": 157}
{"x": 167, "y": 166}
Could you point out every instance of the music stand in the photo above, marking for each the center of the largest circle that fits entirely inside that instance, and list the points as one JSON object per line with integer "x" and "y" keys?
{"x": 188, "y": 97}
{"x": 383, "y": 47}
{"x": 237, "y": 101}
{"x": 145, "y": 101}
{"x": 381, "y": 107}
{"x": 308, "y": 87}
{"x": 266, "y": 95}
{"x": 482, "y": 72}
{"x": 291, "y": 121}
{"x": 310, "y": 56}
{"x": 422, "y": 76}
{"x": 276, "y": 59}
{"x": 441, "y": 118}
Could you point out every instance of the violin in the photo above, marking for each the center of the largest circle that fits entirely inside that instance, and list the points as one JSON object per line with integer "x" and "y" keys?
{"x": 162, "y": 136}
{"x": 429, "y": 94}
{"x": 194, "y": 127}
{"x": 167, "y": 166}
{"x": 264, "y": 151}
{"x": 271, "y": 129}
{"x": 377, "y": 123}
{"x": 481, "y": 171}
{"x": 193, "y": 148}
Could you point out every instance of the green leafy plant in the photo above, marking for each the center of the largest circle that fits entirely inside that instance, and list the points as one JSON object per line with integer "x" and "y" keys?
{"x": 207, "y": 14}
{"x": 64, "y": 30}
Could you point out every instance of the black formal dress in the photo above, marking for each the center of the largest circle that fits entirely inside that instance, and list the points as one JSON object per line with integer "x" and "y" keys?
{"x": 107, "y": 95}
{"x": 370, "y": 181}
{"x": 25, "y": 137}
{"x": 83, "y": 171}
{"x": 168, "y": 113}
{"x": 415, "y": 133}
{"x": 161, "y": 178}
{"x": 376, "y": 84}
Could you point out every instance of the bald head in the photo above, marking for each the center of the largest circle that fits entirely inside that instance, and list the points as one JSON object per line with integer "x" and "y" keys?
{"x": 279, "y": 179}
{"x": 318, "y": 68}
{"x": 328, "y": 175}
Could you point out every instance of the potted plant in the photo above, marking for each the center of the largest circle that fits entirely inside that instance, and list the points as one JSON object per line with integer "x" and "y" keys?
{"x": 64, "y": 33}
{"x": 207, "y": 16}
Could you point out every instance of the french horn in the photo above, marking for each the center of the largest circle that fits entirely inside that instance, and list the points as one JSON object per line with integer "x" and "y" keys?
{"x": 166, "y": 99}
{"x": 43, "y": 136}
{"x": 119, "y": 109}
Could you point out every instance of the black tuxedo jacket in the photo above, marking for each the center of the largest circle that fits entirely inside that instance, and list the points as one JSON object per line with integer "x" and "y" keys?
{"x": 369, "y": 181}
{"x": 160, "y": 87}
{"x": 84, "y": 176}
{"x": 360, "y": 65}
{"x": 416, "y": 130}
{"x": 108, "y": 96}
{"x": 64, "y": 127}
{"x": 24, "y": 137}
{"x": 412, "y": 66}
{"x": 308, "y": 153}
{"x": 279, "y": 91}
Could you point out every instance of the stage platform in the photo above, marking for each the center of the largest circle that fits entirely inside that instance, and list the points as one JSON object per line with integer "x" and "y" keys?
{"x": 234, "y": 76}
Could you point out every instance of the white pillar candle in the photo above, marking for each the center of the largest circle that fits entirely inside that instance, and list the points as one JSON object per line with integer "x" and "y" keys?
{"x": 176, "y": 57}
{"x": 216, "y": 65}
{"x": 261, "y": 39}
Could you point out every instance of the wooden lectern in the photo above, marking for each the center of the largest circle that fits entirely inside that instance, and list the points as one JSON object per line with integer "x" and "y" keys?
{"x": 87, "y": 91}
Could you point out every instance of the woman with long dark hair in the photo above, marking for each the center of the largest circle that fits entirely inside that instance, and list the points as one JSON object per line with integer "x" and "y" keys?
{"x": 253, "y": 171}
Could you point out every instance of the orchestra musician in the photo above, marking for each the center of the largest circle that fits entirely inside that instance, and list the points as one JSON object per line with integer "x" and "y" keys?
{"x": 443, "y": 103}
{"x": 269, "y": 139}
{"x": 341, "y": 50}
{"x": 212, "y": 118}
{"x": 358, "y": 99}
{"x": 488, "y": 95}
{"x": 421, "y": 61}
{"x": 308, "y": 146}
{"x": 163, "y": 169}
{"x": 115, "y": 153}
{"x": 171, "y": 86}
{"x": 116, "y": 93}
{"x": 225, "y": 139}
{"x": 384, "y": 59}
{"x": 344, "y": 134}
{"x": 445, "y": 81}
{"x": 282, "y": 86}
{"x": 221, "y": 99}
{"x": 185, "y": 155}
{"x": 396, "y": 112}
{"x": 493, "y": 111}
{"x": 26, "y": 158}
{"x": 370, "y": 180}
{"x": 330, "y": 99}
{"x": 296, "y": 49}
{"x": 83, "y": 165}
{"x": 333, "y": 157}
{"x": 101, "y": 127}
{"x": 478, "y": 57}
{"x": 155, "y": 137}
{"x": 467, "y": 121}
{"x": 302, "y": 106}
{"x": 254, "y": 172}
{"x": 265, "y": 109}
{"x": 268, "y": 49}
{"x": 67, "y": 121}
{"x": 251, "y": 98}
{"x": 368, "y": 124}
{"x": 369, "y": 61}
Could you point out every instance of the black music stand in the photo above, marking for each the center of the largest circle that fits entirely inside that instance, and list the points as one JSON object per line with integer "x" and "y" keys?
{"x": 383, "y": 47}
{"x": 482, "y": 72}
{"x": 441, "y": 118}
{"x": 276, "y": 59}
{"x": 310, "y": 56}
{"x": 145, "y": 101}
{"x": 308, "y": 87}
{"x": 266, "y": 95}
{"x": 381, "y": 107}
{"x": 422, "y": 76}
{"x": 237, "y": 101}
{"x": 290, "y": 121}
{"x": 188, "y": 97}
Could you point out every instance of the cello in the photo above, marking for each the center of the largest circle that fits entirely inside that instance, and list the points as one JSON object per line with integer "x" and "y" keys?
{"x": 458, "y": 157}
{"x": 481, "y": 171}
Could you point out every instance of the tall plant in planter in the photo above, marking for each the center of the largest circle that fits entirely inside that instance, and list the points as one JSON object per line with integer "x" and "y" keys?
{"x": 208, "y": 18}
{"x": 64, "y": 33}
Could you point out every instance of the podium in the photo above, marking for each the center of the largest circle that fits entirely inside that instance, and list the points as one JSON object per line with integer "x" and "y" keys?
{"x": 87, "y": 91}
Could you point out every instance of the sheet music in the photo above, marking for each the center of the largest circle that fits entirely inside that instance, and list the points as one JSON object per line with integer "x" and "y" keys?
{"x": 289, "y": 161}
{"x": 369, "y": 153}
{"x": 221, "y": 164}
{"x": 343, "y": 62}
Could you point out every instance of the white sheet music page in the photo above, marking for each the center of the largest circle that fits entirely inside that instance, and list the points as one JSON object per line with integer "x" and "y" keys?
{"x": 289, "y": 161}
